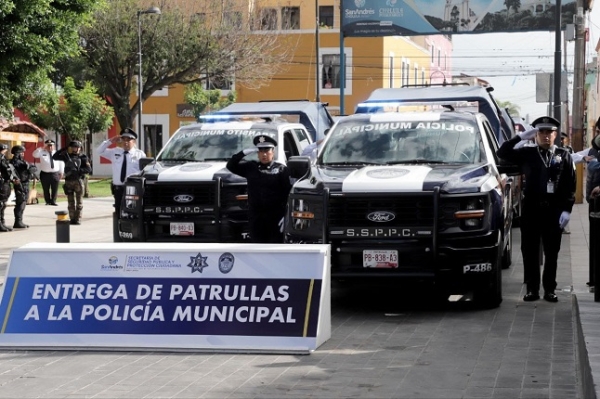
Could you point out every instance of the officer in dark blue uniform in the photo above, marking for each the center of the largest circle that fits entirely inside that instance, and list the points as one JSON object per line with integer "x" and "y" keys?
{"x": 268, "y": 189}
{"x": 8, "y": 175}
{"x": 549, "y": 195}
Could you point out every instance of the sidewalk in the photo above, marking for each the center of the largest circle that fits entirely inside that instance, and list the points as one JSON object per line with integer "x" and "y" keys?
{"x": 586, "y": 311}
{"x": 347, "y": 365}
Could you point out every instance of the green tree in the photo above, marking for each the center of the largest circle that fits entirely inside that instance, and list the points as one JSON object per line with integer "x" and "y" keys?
{"x": 70, "y": 111}
{"x": 512, "y": 108}
{"x": 189, "y": 42}
{"x": 34, "y": 35}
{"x": 205, "y": 101}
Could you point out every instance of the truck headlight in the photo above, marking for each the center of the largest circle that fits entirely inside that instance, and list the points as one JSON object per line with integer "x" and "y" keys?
{"x": 132, "y": 198}
{"x": 472, "y": 213}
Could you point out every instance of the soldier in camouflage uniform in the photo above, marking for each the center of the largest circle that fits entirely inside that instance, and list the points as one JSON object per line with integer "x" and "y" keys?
{"x": 7, "y": 175}
{"x": 77, "y": 166}
{"x": 25, "y": 172}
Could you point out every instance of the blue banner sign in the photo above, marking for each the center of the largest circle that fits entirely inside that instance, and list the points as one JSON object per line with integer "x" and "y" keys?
{"x": 428, "y": 17}
{"x": 217, "y": 297}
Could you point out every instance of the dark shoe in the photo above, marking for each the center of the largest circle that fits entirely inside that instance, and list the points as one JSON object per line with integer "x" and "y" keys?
{"x": 77, "y": 222}
{"x": 531, "y": 296}
{"x": 54, "y": 204}
{"x": 550, "y": 297}
{"x": 4, "y": 228}
{"x": 20, "y": 225}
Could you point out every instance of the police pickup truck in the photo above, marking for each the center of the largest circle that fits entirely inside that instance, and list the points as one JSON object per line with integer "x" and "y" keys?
{"x": 408, "y": 195}
{"x": 187, "y": 194}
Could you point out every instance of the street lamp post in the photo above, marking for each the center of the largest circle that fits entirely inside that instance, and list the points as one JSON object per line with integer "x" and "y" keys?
{"x": 151, "y": 10}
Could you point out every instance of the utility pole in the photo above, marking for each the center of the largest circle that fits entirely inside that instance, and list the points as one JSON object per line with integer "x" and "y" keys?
{"x": 578, "y": 80}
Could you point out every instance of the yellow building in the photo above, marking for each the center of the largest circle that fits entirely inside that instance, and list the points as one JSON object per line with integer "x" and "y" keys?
{"x": 371, "y": 63}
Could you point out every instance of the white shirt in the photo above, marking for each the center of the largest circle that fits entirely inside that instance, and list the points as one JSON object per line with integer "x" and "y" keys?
{"x": 44, "y": 157}
{"x": 115, "y": 155}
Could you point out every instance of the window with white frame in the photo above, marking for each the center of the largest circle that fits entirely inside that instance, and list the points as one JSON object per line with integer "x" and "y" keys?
{"x": 269, "y": 19}
{"x": 405, "y": 72}
{"x": 330, "y": 76}
{"x": 290, "y": 18}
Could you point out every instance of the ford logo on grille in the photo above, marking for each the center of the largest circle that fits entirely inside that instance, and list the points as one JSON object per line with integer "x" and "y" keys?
{"x": 184, "y": 198}
{"x": 381, "y": 216}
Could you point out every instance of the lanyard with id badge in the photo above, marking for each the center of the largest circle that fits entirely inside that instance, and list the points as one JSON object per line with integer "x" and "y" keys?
{"x": 551, "y": 163}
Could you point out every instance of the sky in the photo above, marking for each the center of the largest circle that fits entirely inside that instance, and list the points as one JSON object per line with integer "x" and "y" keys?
{"x": 510, "y": 62}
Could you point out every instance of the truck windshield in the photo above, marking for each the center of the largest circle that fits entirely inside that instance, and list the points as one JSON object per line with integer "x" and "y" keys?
{"x": 211, "y": 143}
{"x": 386, "y": 143}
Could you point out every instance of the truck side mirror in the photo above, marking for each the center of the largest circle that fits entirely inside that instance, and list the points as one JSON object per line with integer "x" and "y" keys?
{"x": 299, "y": 166}
{"x": 145, "y": 161}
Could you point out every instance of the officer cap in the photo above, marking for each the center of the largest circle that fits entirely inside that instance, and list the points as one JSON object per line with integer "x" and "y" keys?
{"x": 17, "y": 149}
{"x": 264, "y": 141}
{"x": 49, "y": 142}
{"x": 128, "y": 132}
{"x": 563, "y": 134}
{"x": 3, "y": 147}
{"x": 546, "y": 123}
{"x": 75, "y": 143}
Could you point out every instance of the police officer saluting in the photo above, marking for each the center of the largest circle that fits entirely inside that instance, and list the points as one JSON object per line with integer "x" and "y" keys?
{"x": 125, "y": 161}
{"x": 549, "y": 195}
{"x": 268, "y": 189}
{"x": 50, "y": 171}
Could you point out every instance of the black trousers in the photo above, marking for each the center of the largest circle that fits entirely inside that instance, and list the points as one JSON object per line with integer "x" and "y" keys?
{"x": 263, "y": 225}
{"x": 50, "y": 186}
{"x": 540, "y": 223}
{"x": 117, "y": 192}
{"x": 21, "y": 195}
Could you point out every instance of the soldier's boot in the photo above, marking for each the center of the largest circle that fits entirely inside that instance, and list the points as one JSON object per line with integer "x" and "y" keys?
{"x": 3, "y": 226}
{"x": 20, "y": 225}
{"x": 76, "y": 219}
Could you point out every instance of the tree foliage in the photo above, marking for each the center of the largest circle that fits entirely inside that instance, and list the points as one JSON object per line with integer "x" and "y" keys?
{"x": 71, "y": 111}
{"x": 205, "y": 101}
{"x": 34, "y": 35}
{"x": 188, "y": 42}
{"x": 512, "y": 108}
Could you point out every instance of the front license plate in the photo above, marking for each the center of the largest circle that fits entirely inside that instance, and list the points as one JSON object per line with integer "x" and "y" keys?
{"x": 182, "y": 229}
{"x": 379, "y": 258}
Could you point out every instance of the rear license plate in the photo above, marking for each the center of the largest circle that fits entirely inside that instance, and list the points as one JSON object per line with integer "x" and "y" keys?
{"x": 379, "y": 258}
{"x": 182, "y": 229}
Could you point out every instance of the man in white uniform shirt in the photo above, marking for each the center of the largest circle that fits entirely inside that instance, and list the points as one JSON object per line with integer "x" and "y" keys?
{"x": 125, "y": 161}
{"x": 51, "y": 171}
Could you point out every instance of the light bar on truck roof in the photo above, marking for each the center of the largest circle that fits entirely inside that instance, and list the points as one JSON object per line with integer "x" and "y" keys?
{"x": 400, "y": 106}
{"x": 238, "y": 117}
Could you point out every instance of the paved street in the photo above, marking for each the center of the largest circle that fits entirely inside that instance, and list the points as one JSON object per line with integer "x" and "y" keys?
{"x": 387, "y": 342}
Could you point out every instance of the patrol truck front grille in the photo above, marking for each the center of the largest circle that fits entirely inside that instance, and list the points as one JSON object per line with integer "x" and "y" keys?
{"x": 168, "y": 194}
{"x": 408, "y": 210}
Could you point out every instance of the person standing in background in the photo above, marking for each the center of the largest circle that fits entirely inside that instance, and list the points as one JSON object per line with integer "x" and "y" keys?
{"x": 25, "y": 172}
{"x": 549, "y": 195}
{"x": 51, "y": 171}
{"x": 7, "y": 175}
{"x": 125, "y": 161}
{"x": 76, "y": 167}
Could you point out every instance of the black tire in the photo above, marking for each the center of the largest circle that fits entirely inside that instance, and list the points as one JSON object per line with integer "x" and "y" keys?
{"x": 489, "y": 295}
{"x": 507, "y": 253}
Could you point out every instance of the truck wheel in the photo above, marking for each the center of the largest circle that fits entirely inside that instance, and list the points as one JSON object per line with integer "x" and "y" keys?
{"x": 507, "y": 254}
{"x": 489, "y": 295}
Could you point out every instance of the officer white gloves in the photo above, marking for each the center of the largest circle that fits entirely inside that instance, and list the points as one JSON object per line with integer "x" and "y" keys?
{"x": 528, "y": 134}
{"x": 280, "y": 224}
{"x": 249, "y": 151}
{"x": 564, "y": 219}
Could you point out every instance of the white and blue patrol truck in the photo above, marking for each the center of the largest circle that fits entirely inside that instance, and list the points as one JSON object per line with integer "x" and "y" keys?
{"x": 408, "y": 195}
{"x": 187, "y": 194}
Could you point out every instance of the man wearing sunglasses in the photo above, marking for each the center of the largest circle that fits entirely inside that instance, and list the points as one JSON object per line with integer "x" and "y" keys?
{"x": 125, "y": 161}
{"x": 268, "y": 188}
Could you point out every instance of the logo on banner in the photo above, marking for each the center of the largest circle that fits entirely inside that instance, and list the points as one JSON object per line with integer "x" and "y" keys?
{"x": 226, "y": 261}
{"x": 113, "y": 264}
{"x": 198, "y": 263}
